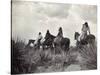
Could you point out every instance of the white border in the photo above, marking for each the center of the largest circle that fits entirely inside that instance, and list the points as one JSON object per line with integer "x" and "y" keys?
{"x": 93, "y": 2}
{"x": 5, "y": 27}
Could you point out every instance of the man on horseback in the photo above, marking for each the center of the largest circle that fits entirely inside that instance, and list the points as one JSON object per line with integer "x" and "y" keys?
{"x": 85, "y": 31}
{"x": 49, "y": 38}
{"x": 60, "y": 34}
{"x": 60, "y": 42}
{"x": 85, "y": 37}
{"x": 47, "y": 35}
{"x": 38, "y": 40}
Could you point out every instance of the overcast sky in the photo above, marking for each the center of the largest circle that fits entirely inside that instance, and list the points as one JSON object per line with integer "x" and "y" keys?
{"x": 29, "y": 18}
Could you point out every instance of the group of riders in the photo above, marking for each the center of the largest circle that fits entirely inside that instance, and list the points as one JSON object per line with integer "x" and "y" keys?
{"x": 40, "y": 37}
{"x": 84, "y": 32}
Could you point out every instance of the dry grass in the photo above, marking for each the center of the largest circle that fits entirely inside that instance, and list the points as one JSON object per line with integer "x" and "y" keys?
{"x": 89, "y": 55}
{"x": 30, "y": 60}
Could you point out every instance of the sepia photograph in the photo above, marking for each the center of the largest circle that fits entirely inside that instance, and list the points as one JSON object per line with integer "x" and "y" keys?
{"x": 52, "y": 37}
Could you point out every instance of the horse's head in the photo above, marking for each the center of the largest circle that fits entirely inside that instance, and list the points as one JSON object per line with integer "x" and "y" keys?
{"x": 76, "y": 35}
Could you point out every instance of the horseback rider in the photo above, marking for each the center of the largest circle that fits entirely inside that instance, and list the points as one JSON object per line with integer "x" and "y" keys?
{"x": 85, "y": 31}
{"x": 38, "y": 40}
{"x": 47, "y": 35}
{"x": 60, "y": 33}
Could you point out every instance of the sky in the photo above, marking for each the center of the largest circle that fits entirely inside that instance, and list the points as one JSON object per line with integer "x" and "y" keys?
{"x": 29, "y": 18}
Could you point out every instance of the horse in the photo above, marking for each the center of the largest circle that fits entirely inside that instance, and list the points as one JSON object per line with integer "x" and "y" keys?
{"x": 31, "y": 41}
{"x": 49, "y": 38}
{"x": 88, "y": 40}
{"x": 63, "y": 43}
{"x": 36, "y": 43}
{"x": 46, "y": 42}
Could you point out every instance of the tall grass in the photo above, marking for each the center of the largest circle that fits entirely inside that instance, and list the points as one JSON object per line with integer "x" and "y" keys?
{"x": 31, "y": 60}
{"x": 18, "y": 62}
{"x": 89, "y": 55}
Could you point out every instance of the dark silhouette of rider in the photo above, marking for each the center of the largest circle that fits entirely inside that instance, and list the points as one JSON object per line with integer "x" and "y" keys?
{"x": 37, "y": 41}
{"x": 48, "y": 35}
{"x": 59, "y": 35}
{"x": 60, "y": 32}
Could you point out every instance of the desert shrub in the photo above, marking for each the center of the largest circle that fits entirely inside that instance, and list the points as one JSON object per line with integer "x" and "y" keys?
{"x": 89, "y": 55}
{"x": 72, "y": 55}
{"x": 18, "y": 59}
{"x": 29, "y": 60}
{"x": 15, "y": 54}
